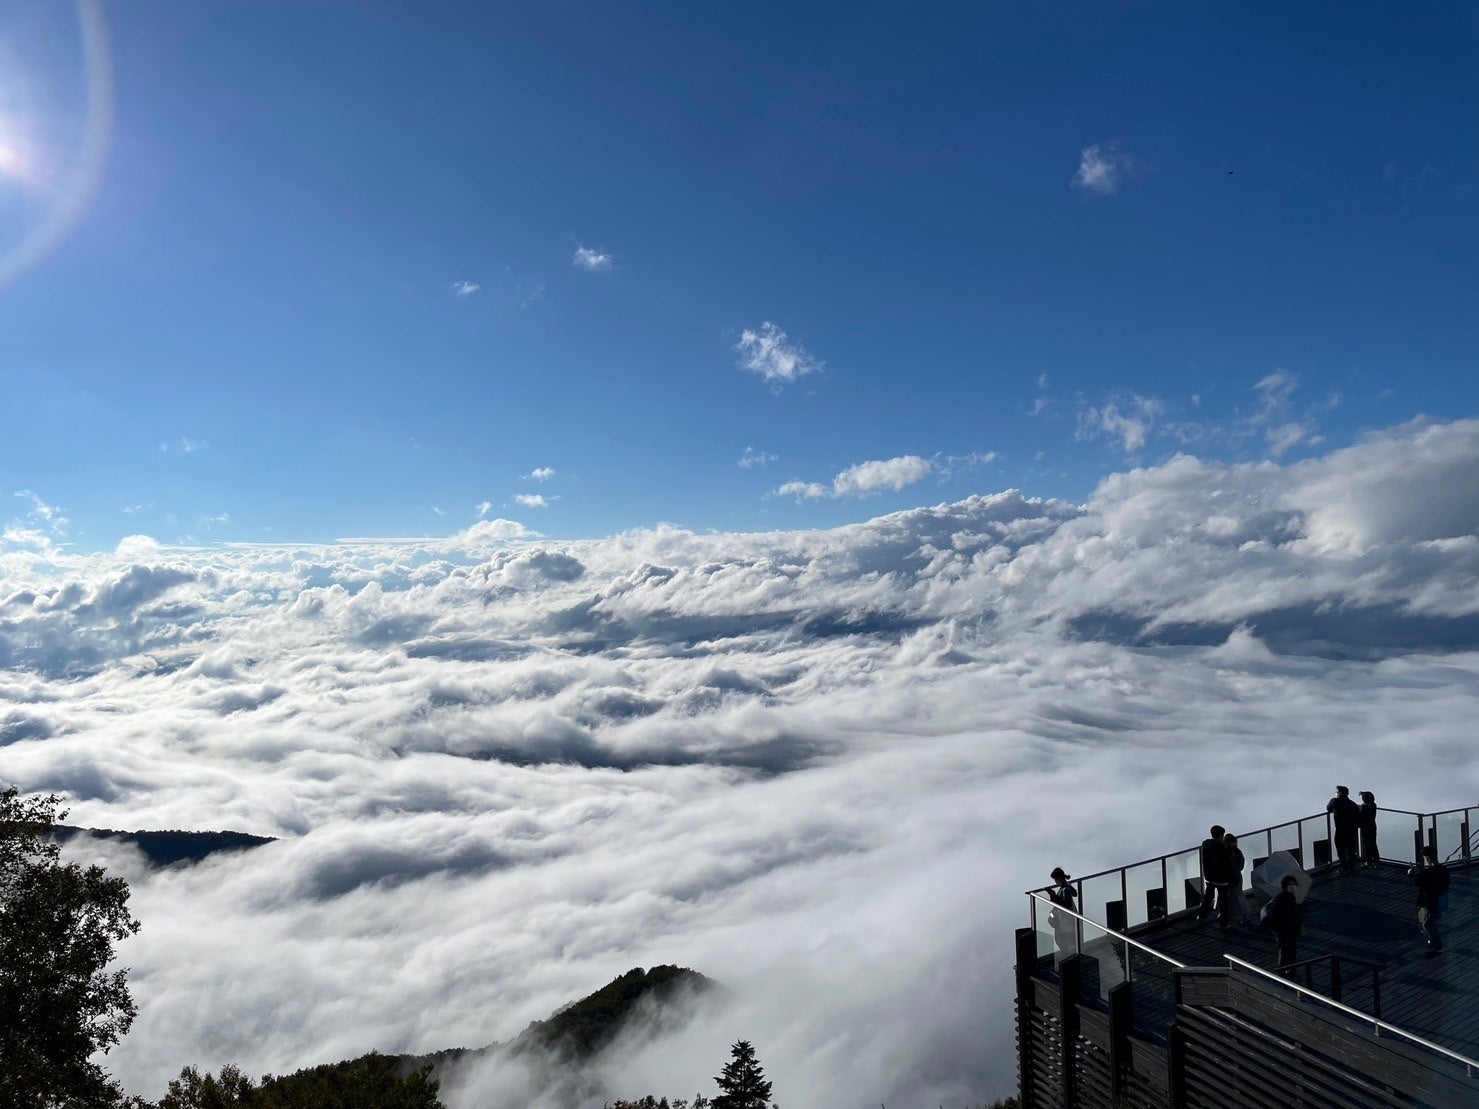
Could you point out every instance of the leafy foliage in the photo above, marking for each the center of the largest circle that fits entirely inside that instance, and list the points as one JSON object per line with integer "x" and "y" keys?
{"x": 369, "y": 1082}
{"x": 743, "y": 1081}
{"x": 58, "y": 924}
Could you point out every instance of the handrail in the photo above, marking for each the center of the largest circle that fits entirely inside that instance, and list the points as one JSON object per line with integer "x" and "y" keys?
{"x": 1424, "y": 820}
{"x": 1367, "y": 963}
{"x": 1038, "y": 895}
{"x": 1377, "y": 1024}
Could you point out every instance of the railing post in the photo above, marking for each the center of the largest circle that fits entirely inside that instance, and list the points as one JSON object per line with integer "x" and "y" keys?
{"x": 1069, "y": 987}
{"x": 1119, "y": 1039}
{"x": 1376, "y": 991}
{"x": 1026, "y": 1044}
{"x": 1463, "y": 831}
{"x": 1335, "y": 977}
{"x": 1417, "y": 842}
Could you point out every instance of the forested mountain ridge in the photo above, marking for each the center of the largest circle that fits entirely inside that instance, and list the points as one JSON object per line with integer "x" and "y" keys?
{"x": 165, "y": 848}
{"x": 579, "y": 1031}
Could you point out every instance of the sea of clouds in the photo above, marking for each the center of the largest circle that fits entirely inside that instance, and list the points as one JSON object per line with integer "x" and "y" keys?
{"x": 819, "y": 766}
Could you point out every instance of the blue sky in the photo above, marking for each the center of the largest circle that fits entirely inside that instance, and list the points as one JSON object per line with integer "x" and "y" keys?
{"x": 327, "y": 278}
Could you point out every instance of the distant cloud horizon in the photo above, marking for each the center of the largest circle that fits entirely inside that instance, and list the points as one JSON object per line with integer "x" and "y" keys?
{"x": 552, "y": 760}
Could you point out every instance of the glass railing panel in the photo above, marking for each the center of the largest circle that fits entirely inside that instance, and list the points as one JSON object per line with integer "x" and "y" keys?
{"x": 1057, "y": 935}
{"x": 1153, "y": 995}
{"x": 1394, "y": 835}
{"x": 1145, "y": 894}
{"x": 1102, "y": 899}
{"x": 1471, "y": 818}
{"x": 1449, "y": 827}
{"x": 1183, "y": 880}
{"x": 1318, "y": 850}
{"x": 1103, "y": 965}
{"x": 1284, "y": 837}
{"x": 1255, "y": 848}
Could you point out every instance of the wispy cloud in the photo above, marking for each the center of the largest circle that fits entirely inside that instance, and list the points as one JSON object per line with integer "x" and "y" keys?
{"x": 464, "y": 288}
{"x": 592, "y": 261}
{"x": 531, "y": 500}
{"x": 753, "y": 457}
{"x": 1130, "y": 419}
{"x": 184, "y": 446}
{"x": 864, "y": 479}
{"x": 484, "y": 507}
{"x": 809, "y": 490}
{"x": 1102, "y": 169}
{"x": 540, "y": 473}
{"x": 768, "y": 351}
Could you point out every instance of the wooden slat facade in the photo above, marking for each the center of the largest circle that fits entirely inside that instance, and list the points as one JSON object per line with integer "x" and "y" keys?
{"x": 1231, "y": 1043}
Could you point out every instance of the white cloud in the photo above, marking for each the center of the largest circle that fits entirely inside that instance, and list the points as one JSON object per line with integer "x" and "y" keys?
{"x": 520, "y": 766}
{"x": 592, "y": 261}
{"x": 806, "y": 489}
{"x": 890, "y": 473}
{"x": 531, "y": 500}
{"x": 464, "y": 288}
{"x": 771, "y": 354}
{"x": 438, "y": 511}
{"x": 486, "y": 532}
{"x": 753, "y": 457}
{"x": 864, "y": 479}
{"x": 1130, "y": 419}
{"x": 185, "y": 446}
{"x": 1281, "y": 438}
{"x": 1102, "y": 169}
{"x": 484, "y": 507}
{"x": 540, "y": 473}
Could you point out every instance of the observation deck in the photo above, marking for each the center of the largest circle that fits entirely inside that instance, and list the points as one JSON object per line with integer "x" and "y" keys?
{"x": 1131, "y": 1002}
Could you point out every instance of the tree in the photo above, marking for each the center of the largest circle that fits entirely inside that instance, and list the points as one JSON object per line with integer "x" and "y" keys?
{"x": 369, "y": 1082}
{"x": 743, "y": 1081}
{"x": 58, "y": 924}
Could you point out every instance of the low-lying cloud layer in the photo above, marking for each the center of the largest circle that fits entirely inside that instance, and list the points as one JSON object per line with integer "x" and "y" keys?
{"x": 818, "y": 766}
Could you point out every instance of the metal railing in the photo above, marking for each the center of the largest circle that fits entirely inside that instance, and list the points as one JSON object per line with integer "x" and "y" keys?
{"x": 1378, "y": 1026}
{"x": 1080, "y": 921}
{"x": 1125, "y": 898}
{"x": 1337, "y": 978}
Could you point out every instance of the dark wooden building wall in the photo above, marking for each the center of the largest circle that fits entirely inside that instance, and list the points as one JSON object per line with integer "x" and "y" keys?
{"x": 1231, "y": 1045}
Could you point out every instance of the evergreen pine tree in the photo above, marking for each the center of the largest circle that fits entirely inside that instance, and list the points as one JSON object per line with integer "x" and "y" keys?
{"x": 743, "y": 1082}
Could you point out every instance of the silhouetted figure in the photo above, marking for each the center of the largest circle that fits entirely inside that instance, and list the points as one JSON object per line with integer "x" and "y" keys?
{"x": 1065, "y": 928}
{"x": 1283, "y": 915}
{"x": 1347, "y": 816}
{"x": 1370, "y": 856}
{"x": 1235, "y": 862}
{"x": 1431, "y": 880}
{"x": 1216, "y": 875}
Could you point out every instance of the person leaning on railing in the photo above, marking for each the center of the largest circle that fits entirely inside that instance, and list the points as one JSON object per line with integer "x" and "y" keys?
{"x": 1370, "y": 856}
{"x": 1065, "y": 930}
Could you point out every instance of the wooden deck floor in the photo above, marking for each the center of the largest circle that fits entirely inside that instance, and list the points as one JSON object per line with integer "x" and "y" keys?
{"x": 1369, "y": 915}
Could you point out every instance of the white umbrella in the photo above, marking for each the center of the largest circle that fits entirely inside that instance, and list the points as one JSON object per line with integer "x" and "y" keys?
{"x": 1268, "y": 876}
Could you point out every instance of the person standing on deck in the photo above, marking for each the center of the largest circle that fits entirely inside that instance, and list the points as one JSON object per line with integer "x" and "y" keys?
{"x": 1431, "y": 880}
{"x": 1237, "y": 913}
{"x": 1347, "y": 816}
{"x": 1216, "y": 875}
{"x": 1065, "y": 927}
{"x": 1370, "y": 856}
{"x": 1283, "y": 915}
